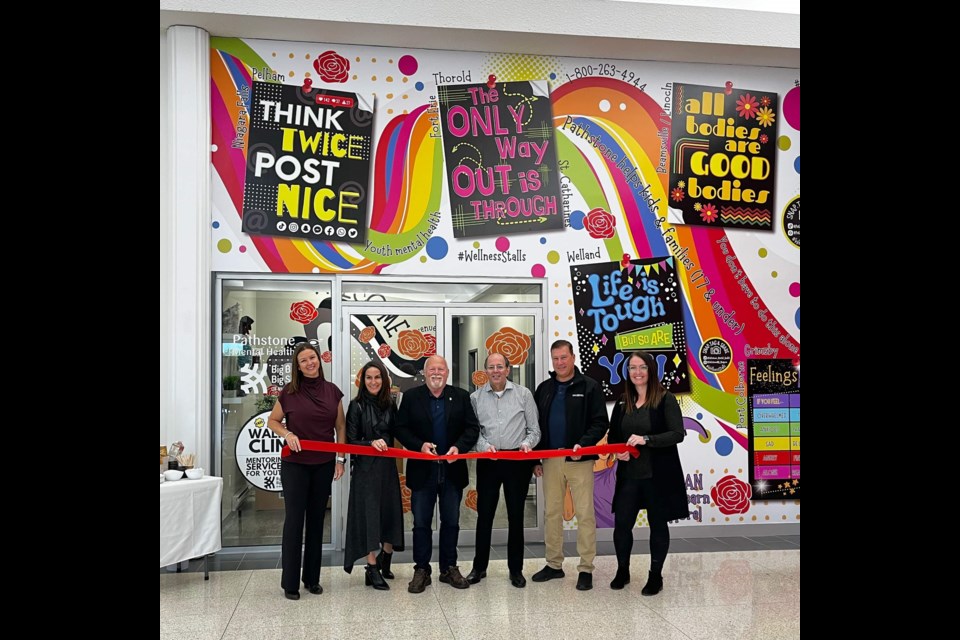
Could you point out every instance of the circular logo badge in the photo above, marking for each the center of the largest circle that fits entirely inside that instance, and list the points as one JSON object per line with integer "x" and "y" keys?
{"x": 715, "y": 355}
{"x": 791, "y": 221}
{"x": 258, "y": 453}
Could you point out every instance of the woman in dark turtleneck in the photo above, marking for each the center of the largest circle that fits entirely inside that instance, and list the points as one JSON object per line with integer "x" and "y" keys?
{"x": 375, "y": 515}
{"x": 312, "y": 410}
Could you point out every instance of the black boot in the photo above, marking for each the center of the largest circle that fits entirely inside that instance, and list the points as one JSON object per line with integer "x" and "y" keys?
{"x": 374, "y": 579}
{"x": 621, "y": 579}
{"x": 383, "y": 562}
{"x": 654, "y": 584}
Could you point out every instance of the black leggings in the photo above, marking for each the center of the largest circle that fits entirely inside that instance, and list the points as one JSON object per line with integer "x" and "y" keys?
{"x": 626, "y": 507}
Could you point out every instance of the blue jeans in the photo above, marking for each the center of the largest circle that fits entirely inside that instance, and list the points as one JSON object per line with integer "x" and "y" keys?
{"x": 422, "y": 502}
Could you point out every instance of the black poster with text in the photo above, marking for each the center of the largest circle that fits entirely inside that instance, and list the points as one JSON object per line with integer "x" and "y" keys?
{"x": 723, "y": 161}
{"x": 308, "y": 164}
{"x": 501, "y": 159}
{"x": 633, "y": 307}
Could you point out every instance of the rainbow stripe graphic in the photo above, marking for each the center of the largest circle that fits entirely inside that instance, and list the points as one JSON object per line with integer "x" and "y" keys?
{"x": 614, "y": 149}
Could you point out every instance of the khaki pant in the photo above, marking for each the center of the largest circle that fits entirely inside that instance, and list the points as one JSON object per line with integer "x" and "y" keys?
{"x": 557, "y": 474}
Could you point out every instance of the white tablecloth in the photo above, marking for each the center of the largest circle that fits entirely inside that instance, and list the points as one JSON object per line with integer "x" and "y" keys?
{"x": 189, "y": 518}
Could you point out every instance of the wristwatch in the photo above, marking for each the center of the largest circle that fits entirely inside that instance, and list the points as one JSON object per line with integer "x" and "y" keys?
{"x": 341, "y": 459}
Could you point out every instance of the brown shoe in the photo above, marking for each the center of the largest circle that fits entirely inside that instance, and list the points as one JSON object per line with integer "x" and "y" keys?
{"x": 454, "y": 578}
{"x": 420, "y": 581}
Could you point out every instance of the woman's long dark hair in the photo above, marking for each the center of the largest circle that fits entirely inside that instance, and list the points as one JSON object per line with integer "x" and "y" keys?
{"x": 297, "y": 375}
{"x": 655, "y": 390}
{"x": 383, "y": 399}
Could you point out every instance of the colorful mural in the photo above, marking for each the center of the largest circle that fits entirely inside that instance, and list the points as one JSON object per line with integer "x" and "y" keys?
{"x": 614, "y": 136}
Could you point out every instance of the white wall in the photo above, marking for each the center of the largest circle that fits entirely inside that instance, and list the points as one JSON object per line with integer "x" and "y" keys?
{"x": 589, "y": 28}
{"x": 166, "y": 244}
{"x": 185, "y": 240}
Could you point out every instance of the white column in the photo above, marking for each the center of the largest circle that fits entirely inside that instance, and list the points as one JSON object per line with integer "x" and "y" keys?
{"x": 185, "y": 243}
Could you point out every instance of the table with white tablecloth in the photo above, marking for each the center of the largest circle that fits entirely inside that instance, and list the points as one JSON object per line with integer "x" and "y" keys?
{"x": 189, "y": 519}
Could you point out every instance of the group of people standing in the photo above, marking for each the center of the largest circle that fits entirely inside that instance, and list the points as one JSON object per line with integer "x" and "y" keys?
{"x": 567, "y": 411}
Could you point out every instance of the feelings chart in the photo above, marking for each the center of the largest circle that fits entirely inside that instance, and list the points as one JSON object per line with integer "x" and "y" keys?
{"x": 773, "y": 387}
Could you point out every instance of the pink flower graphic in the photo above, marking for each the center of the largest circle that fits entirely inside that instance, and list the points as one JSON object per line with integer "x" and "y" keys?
{"x": 747, "y": 106}
{"x": 708, "y": 213}
{"x": 677, "y": 194}
{"x": 384, "y": 351}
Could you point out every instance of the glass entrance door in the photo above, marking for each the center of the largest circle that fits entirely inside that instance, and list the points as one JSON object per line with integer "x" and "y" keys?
{"x": 401, "y": 336}
{"x": 475, "y": 333}
{"x": 261, "y": 320}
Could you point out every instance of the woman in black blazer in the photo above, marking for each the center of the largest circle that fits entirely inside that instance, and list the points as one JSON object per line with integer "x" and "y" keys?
{"x": 648, "y": 417}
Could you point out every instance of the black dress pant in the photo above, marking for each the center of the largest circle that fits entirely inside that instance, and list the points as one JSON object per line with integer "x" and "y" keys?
{"x": 514, "y": 476}
{"x": 628, "y": 499}
{"x": 306, "y": 488}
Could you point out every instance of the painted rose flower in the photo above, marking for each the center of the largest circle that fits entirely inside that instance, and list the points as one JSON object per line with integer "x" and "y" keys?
{"x": 332, "y": 67}
{"x": 384, "y": 351}
{"x": 366, "y": 335}
{"x": 432, "y": 344}
{"x": 303, "y": 312}
{"x": 747, "y": 106}
{"x": 412, "y": 344}
{"x": 600, "y": 224}
{"x": 326, "y": 356}
{"x": 731, "y": 495}
{"x": 515, "y": 346}
{"x": 479, "y": 378}
{"x": 470, "y": 502}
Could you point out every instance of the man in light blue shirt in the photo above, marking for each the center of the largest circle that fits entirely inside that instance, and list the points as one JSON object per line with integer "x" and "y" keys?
{"x": 508, "y": 422}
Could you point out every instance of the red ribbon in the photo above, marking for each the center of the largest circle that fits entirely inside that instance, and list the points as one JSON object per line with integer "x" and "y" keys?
{"x": 391, "y": 452}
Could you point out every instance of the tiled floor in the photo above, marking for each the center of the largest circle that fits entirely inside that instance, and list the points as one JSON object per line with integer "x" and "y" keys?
{"x": 714, "y": 588}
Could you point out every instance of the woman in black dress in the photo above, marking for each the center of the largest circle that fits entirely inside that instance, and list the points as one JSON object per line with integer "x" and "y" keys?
{"x": 648, "y": 417}
{"x": 375, "y": 514}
